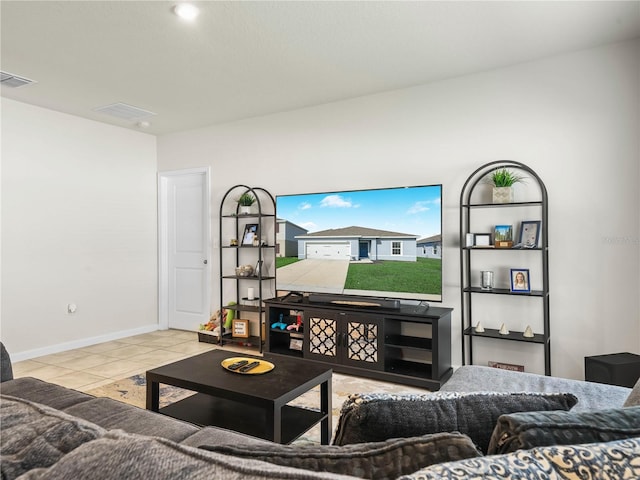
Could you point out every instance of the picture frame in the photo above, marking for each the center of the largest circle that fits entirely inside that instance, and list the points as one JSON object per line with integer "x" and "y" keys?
{"x": 240, "y": 328}
{"x": 295, "y": 344}
{"x": 503, "y": 233}
{"x": 250, "y": 232}
{"x": 482, "y": 240}
{"x": 530, "y": 233}
{"x": 469, "y": 240}
{"x": 503, "y": 236}
{"x": 520, "y": 281}
{"x": 506, "y": 366}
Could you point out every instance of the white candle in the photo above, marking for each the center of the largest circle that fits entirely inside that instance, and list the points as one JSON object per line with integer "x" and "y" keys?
{"x": 250, "y": 293}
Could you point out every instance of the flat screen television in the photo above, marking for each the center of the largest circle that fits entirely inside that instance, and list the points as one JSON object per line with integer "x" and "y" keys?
{"x": 384, "y": 243}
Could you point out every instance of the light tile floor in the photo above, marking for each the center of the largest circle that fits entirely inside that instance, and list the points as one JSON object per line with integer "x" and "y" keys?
{"x": 97, "y": 365}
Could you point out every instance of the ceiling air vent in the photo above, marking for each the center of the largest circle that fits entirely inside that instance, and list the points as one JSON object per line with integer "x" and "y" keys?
{"x": 13, "y": 81}
{"x": 124, "y": 111}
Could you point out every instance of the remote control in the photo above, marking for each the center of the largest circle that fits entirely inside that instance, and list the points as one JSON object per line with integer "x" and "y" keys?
{"x": 251, "y": 366}
{"x": 237, "y": 365}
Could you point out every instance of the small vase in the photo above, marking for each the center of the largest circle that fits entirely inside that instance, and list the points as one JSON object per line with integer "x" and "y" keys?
{"x": 245, "y": 209}
{"x": 502, "y": 194}
{"x": 486, "y": 280}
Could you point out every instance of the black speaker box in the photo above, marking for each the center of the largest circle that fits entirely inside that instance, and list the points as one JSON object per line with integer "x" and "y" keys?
{"x": 622, "y": 369}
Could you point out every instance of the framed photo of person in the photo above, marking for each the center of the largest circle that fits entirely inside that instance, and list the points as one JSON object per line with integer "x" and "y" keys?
{"x": 250, "y": 233}
{"x": 520, "y": 280}
{"x": 530, "y": 233}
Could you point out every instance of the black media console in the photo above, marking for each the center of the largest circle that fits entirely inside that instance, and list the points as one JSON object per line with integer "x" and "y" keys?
{"x": 405, "y": 344}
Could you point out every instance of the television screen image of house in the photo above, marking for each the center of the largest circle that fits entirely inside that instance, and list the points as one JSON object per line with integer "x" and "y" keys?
{"x": 376, "y": 242}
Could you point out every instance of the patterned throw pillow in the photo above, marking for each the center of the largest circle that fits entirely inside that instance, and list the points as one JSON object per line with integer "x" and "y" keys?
{"x": 538, "y": 429}
{"x": 618, "y": 459}
{"x": 378, "y": 460}
{"x": 377, "y": 417}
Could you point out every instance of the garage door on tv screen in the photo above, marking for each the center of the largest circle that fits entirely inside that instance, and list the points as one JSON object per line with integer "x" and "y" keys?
{"x": 384, "y": 242}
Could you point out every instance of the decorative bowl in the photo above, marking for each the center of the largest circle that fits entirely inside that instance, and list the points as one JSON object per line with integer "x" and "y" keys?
{"x": 244, "y": 270}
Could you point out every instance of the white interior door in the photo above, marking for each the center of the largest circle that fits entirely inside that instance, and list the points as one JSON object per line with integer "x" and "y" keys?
{"x": 185, "y": 269}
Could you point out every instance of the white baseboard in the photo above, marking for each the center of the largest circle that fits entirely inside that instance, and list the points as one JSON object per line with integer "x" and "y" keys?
{"x": 85, "y": 342}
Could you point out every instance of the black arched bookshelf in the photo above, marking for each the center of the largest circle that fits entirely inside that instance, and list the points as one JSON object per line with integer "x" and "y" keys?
{"x": 234, "y": 224}
{"x": 473, "y": 204}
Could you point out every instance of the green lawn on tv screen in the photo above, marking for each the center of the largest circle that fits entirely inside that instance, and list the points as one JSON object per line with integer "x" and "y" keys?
{"x": 421, "y": 276}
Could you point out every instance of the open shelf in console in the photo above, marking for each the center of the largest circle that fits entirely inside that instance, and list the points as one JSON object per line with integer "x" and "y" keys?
{"x": 409, "y": 368}
{"x": 285, "y": 342}
{"x": 408, "y": 342}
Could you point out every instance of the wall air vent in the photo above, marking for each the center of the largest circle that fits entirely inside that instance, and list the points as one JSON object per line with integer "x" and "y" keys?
{"x": 14, "y": 81}
{"x": 124, "y": 111}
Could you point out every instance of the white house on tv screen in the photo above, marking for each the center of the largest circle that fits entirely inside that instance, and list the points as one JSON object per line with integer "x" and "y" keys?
{"x": 358, "y": 243}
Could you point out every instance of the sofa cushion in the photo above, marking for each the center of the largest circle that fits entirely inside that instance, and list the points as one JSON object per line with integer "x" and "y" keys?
{"x": 111, "y": 414}
{"x": 377, "y": 417}
{"x": 591, "y": 396}
{"x": 617, "y": 459}
{"x": 536, "y": 429}
{"x": 221, "y": 436}
{"x": 45, "y": 393}
{"x": 376, "y": 460}
{"x": 36, "y": 436}
{"x": 634, "y": 397}
{"x": 135, "y": 457}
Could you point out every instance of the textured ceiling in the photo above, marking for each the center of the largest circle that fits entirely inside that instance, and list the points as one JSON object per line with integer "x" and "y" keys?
{"x": 243, "y": 59}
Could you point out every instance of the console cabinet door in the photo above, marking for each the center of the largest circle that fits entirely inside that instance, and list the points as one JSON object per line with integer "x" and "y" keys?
{"x": 361, "y": 342}
{"x": 344, "y": 338}
{"x": 321, "y": 336}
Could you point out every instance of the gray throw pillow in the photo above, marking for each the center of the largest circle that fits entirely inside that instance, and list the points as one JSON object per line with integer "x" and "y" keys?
{"x": 537, "y": 429}
{"x": 36, "y": 436}
{"x": 377, "y": 417}
{"x": 377, "y": 460}
{"x": 634, "y": 397}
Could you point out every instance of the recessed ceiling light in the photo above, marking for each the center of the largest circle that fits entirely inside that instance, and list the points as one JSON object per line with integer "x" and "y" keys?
{"x": 187, "y": 11}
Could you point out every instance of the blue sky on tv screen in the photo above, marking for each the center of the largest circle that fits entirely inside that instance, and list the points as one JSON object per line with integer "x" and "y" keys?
{"x": 411, "y": 210}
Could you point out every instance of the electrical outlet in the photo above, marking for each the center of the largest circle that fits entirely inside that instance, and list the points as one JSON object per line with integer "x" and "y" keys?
{"x": 71, "y": 308}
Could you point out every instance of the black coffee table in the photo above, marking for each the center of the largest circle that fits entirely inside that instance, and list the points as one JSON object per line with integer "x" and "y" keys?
{"x": 252, "y": 404}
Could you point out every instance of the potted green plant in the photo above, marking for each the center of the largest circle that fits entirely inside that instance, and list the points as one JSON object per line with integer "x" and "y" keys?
{"x": 245, "y": 201}
{"x": 503, "y": 181}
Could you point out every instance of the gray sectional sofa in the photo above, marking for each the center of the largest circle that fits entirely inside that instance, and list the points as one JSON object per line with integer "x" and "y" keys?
{"x": 51, "y": 432}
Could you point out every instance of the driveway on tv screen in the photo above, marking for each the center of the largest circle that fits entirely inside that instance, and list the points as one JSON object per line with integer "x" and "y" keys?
{"x": 319, "y": 275}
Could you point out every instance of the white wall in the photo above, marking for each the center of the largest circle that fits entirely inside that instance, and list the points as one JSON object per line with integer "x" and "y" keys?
{"x": 78, "y": 226}
{"x": 573, "y": 118}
